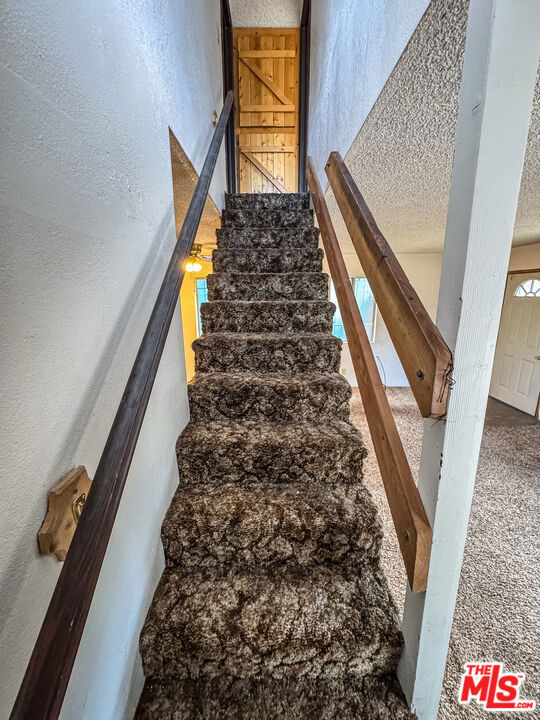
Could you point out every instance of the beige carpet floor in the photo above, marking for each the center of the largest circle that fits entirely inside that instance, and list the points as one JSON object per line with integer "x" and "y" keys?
{"x": 498, "y": 608}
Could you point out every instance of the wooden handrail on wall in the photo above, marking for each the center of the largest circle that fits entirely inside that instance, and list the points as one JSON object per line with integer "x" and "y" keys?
{"x": 426, "y": 358}
{"x": 228, "y": 85}
{"x": 47, "y": 675}
{"x": 410, "y": 520}
{"x": 303, "y": 102}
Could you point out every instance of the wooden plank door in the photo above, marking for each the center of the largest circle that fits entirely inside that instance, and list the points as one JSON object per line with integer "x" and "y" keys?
{"x": 266, "y": 66}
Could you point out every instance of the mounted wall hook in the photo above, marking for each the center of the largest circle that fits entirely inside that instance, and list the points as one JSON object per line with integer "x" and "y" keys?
{"x": 65, "y": 503}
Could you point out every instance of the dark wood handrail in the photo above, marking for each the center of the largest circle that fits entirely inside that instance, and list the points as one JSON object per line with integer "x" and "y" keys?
{"x": 410, "y": 519}
{"x": 228, "y": 84}
{"x": 426, "y": 358}
{"x": 303, "y": 100}
{"x": 47, "y": 675}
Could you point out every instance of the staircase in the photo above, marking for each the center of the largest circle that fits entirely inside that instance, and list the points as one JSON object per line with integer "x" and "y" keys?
{"x": 272, "y": 604}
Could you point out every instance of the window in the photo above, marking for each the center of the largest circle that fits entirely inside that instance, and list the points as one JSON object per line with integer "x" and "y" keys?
{"x": 366, "y": 303}
{"x": 529, "y": 288}
{"x": 201, "y": 296}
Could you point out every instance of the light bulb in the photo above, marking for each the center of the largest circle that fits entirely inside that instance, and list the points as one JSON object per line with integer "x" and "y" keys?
{"x": 197, "y": 266}
{"x": 189, "y": 267}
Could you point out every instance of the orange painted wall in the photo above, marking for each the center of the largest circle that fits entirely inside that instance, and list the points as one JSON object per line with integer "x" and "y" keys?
{"x": 189, "y": 314}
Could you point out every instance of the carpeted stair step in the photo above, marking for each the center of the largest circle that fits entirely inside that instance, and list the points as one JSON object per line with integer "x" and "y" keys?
{"x": 267, "y": 218}
{"x": 296, "y": 622}
{"x": 249, "y": 237}
{"x": 266, "y": 201}
{"x": 268, "y": 316}
{"x": 267, "y": 260}
{"x": 270, "y": 525}
{"x": 267, "y": 286}
{"x": 374, "y": 697}
{"x": 268, "y": 397}
{"x": 248, "y": 452}
{"x": 267, "y": 353}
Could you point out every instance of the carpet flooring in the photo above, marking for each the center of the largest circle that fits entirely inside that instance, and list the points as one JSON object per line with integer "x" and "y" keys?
{"x": 498, "y": 607}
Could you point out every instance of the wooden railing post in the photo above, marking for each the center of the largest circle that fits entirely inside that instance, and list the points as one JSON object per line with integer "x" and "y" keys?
{"x": 410, "y": 520}
{"x": 426, "y": 358}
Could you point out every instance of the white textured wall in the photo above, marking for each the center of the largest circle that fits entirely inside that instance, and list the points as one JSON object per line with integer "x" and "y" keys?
{"x": 525, "y": 257}
{"x": 424, "y": 272}
{"x": 354, "y": 47}
{"x": 88, "y": 92}
{"x": 261, "y": 13}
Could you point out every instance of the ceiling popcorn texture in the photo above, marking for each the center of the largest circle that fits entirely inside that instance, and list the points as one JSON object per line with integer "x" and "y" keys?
{"x": 278, "y": 13}
{"x": 402, "y": 157}
{"x": 355, "y": 46}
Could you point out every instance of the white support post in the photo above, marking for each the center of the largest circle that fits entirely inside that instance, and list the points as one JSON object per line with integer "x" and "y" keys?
{"x": 501, "y": 58}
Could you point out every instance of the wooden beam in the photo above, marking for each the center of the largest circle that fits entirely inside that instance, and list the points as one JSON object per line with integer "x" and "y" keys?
{"x": 267, "y": 174}
{"x": 267, "y": 148}
{"x": 266, "y": 130}
{"x": 263, "y": 77}
{"x": 500, "y": 62}
{"x": 267, "y": 108}
{"x": 426, "y": 358}
{"x": 288, "y": 128}
{"x": 267, "y": 54}
{"x": 410, "y": 520}
{"x": 523, "y": 272}
{"x": 242, "y": 31}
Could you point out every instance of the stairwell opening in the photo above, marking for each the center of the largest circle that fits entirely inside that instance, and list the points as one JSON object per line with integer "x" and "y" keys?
{"x": 184, "y": 179}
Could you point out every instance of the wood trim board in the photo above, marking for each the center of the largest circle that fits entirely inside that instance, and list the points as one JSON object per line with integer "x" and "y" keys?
{"x": 410, "y": 520}
{"x": 424, "y": 355}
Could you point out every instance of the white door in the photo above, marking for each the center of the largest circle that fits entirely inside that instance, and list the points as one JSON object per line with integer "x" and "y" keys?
{"x": 516, "y": 369}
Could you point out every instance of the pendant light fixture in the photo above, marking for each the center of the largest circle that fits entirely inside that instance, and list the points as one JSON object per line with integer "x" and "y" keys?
{"x": 194, "y": 262}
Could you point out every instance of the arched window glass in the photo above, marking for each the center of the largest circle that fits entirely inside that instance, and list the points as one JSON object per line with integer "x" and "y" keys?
{"x": 529, "y": 288}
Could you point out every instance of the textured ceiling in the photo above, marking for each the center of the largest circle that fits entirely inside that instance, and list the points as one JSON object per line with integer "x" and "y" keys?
{"x": 266, "y": 13}
{"x": 402, "y": 157}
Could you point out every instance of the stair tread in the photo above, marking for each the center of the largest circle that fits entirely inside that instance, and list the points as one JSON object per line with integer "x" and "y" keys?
{"x": 269, "y": 379}
{"x": 256, "y": 525}
{"x": 267, "y": 286}
{"x": 276, "y": 336}
{"x": 316, "y": 622}
{"x": 267, "y": 304}
{"x": 267, "y": 260}
{"x": 272, "y": 452}
{"x": 277, "y": 275}
{"x": 334, "y": 427}
{"x": 268, "y": 397}
{"x": 288, "y": 353}
{"x": 374, "y": 697}
{"x": 261, "y": 201}
{"x": 264, "y": 218}
{"x": 278, "y": 316}
{"x": 249, "y": 237}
